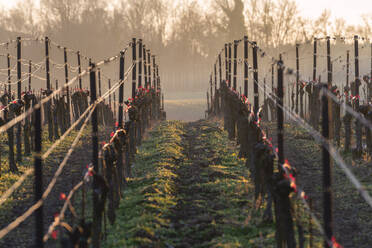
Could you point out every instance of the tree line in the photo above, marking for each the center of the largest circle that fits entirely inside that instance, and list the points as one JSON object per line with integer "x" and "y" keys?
{"x": 186, "y": 33}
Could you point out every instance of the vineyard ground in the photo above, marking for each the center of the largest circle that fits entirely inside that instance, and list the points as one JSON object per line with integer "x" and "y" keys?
{"x": 189, "y": 189}
{"x": 352, "y": 215}
{"x": 23, "y": 197}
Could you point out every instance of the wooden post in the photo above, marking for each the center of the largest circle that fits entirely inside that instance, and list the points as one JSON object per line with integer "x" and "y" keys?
{"x": 357, "y": 83}
{"x": 329, "y": 72}
{"x": 255, "y": 77}
{"x": 284, "y": 223}
{"x": 19, "y": 68}
{"x": 154, "y": 70}
{"x": 145, "y": 66}
{"x": 38, "y": 181}
{"x": 157, "y": 77}
{"x": 47, "y": 68}
{"x": 211, "y": 90}
{"x": 48, "y": 86}
{"x": 327, "y": 172}
{"x": 19, "y": 92}
{"x": 347, "y": 67}
{"x": 226, "y": 64}
{"x": 115, "y": 113}
{"x": 229, "y": 84}
{"x": 246, "y": 66}
{"x": 109, "y": 86}
{"x": 121, "y": 91}
{"x": 235, "y": 63}
{"x": 96, "y": 232}
{"x": 264, "y": 95}
{"x": 162, "y": 99}
{"x": 305, "y": 106}
{"x": 149, "y": 67}
{"x": 79, "y": 70}
{"x": 215, "y": 79}
{"x": 314, "y": 59}
{"x": 99, "y": 82}
{"x": 67, "y": 87}
{"x": 329, "y": 82}
{"x": 220, "y": 68}
{"x": 134, "y": 70}
{"x": 29, "y": 75}
{"x": 297, "y": 76}
{"x": 9, "y": 77}
{"x": 121, "y": 174}
{"x": 289, "y": 97}
{"x": 208, "y": 109}
{"x": 279, "y": 111}
{"x": 272, "y": 78}
{"x": 347, "y": 118}
{"x": 140, "y": 49}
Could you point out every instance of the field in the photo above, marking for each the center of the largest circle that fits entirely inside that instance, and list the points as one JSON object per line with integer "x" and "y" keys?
{"x": 185, "y": 106}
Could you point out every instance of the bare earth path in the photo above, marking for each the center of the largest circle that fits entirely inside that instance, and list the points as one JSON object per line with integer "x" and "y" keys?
{"x": 189, "y": 189}
{"x": 198, "y": 206}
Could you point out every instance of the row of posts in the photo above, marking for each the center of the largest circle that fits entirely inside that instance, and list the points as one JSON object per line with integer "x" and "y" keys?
{"x": 326, "y": 106}
{"x": 142, "y": 57}
{"x": 299, "y": 97}
{"x": 38, "y": 165}
{"x": 228, "y": 62}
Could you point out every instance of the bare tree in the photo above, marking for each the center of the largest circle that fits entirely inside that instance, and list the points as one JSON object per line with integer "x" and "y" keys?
{"x": 284, "y": 22}
{"x": 22, "y": 18}
{"x": 235, "y": 17}
{"x": 321, "y": 24}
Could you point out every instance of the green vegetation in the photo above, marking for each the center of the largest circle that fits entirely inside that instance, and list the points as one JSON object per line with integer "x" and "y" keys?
{"x": 26, "y": 189}
{"x": 142, "y": 216}
{"x": 189, "y": 189}
{"x": 351, "y": 212}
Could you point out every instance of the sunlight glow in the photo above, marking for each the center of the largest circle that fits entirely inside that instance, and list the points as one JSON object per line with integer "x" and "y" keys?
{"x": 351, "y": 11}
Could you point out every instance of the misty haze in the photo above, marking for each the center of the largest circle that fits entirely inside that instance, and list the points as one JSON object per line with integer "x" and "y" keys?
{"x": 185, "y": 123}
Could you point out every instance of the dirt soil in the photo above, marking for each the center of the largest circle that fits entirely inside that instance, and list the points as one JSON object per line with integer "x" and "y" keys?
{"x": 23, "y": 235}
{"x": 352, "y": 215}
{"x": 189, "y": 190}
{"x": 196, "y": 209}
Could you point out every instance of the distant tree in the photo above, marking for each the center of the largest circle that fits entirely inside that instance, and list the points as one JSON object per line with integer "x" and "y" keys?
{"x": 285, "y": 17}
{"x": 365, "y": 30}
{"x": 21, "y": 19}
{"x": 339, "y": 27}
{"x": 235, "y": 17}
{"x": 322, "y": 24}
{"x": 175, "y": 30}
{"x": 146, "y": 19}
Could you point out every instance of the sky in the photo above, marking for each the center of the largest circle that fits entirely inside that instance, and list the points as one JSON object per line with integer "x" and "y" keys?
{"x": 351, "y": 11}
